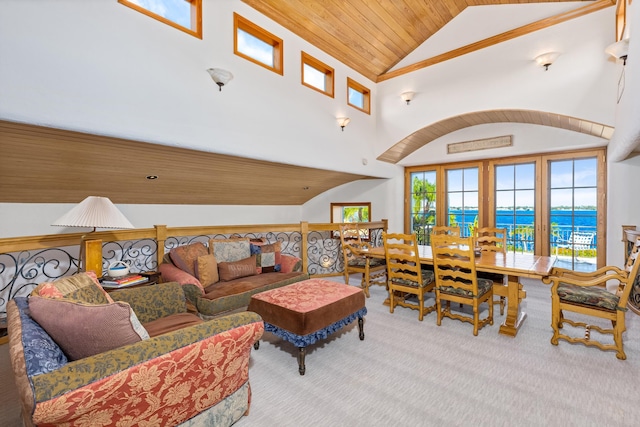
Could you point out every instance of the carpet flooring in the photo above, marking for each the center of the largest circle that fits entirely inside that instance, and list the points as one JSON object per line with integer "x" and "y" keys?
{"x": 412, "y": 373}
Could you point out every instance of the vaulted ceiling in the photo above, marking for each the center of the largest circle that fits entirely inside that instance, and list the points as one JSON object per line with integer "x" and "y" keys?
{"x": 372, "y": 37}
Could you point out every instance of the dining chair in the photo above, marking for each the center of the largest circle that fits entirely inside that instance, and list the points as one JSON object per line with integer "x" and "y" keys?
{"x": 373, "y": 270}
{"x": 457, "y": 281}
{"x": 588, "y": 294}
{"x": 445, "y": 229}
{"x": 491, "y": 239}
{"x": 405, "y": 274}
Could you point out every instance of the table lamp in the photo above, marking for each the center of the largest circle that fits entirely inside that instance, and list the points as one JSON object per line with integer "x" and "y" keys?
{"x": 95, "y": 212}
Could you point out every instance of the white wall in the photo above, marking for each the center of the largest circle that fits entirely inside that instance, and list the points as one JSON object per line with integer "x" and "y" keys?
{"x": 104, "y": 68}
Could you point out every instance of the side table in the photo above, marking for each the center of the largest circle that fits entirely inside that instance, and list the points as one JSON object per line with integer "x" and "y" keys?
{"x": 154, "y": 277}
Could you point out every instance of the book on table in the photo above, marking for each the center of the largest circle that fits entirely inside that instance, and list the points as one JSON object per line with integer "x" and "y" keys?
{"x": 124, "y": 281}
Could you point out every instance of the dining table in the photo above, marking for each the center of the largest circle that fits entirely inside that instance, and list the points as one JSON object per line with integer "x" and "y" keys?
{"x": 513, "y": 265}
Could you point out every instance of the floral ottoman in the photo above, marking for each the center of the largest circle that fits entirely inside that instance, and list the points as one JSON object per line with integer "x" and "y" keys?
{"x": 308, "y": 311}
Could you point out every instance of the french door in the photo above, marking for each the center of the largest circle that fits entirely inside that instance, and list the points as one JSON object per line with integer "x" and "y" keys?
{"x": 551, "y": 204}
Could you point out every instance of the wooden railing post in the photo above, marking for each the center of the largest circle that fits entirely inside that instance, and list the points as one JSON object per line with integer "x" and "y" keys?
{"x": 161, "y": 237}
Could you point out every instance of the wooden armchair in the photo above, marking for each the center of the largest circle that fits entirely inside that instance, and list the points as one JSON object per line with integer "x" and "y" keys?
{"x": 586, "y": 293}
{"x": 492, "y": 239}
{"x": 457, "y": 281}
{"x": 405, "y": 275}
{"x": 373, "y": 270}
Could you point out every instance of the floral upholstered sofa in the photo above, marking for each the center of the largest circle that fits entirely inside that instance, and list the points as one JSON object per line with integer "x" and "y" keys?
{"x": 82, "y": 357}
{"x": 223, "y": 276}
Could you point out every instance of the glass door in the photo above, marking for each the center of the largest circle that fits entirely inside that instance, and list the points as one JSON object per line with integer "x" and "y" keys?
{"x": 423, "y": 204}
{"x": 463, "y": 194}
{"x": 515, "y": 204}
{"x": 573, "y": 213}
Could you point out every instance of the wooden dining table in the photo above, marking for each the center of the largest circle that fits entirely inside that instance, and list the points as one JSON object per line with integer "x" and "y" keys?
{"x": 511, "y": 264}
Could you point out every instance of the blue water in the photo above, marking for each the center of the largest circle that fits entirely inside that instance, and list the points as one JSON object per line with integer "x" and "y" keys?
{"x": 581, "y": 220}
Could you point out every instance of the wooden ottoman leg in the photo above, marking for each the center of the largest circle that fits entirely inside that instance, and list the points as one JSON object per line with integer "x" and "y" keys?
{"x": 301, "y": 354}
{"x": 361, "y": 328}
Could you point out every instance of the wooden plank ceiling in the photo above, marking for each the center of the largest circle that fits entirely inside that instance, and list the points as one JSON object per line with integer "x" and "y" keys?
{"x": 46, "y": 165}
{"x": 373, "y": 36}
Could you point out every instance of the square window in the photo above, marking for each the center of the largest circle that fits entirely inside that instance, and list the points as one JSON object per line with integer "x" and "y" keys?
{"x": 257, "y": 44}
{"x": 358, "y": 96}
{"x": 317, "y": 75}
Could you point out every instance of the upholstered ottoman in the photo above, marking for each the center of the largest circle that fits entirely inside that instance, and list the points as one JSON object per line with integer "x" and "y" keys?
{"x": 308, "y": 311}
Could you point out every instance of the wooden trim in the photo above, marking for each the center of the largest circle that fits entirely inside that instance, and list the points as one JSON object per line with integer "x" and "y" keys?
{"x": 499, "y": 38}
{"x": 366, "y": 95}
{"x": 196, "y": 17}
{"x": 255, "y": 30}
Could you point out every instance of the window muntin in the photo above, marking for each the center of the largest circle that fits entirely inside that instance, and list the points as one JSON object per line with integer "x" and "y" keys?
{"x": 358, "y": 96}
{"x": 185, "y": 15}
{"x": 317, "y": 75}
{"x": 257, "y": 45}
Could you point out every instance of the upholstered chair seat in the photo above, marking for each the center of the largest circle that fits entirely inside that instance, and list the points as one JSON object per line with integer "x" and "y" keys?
{"x": 484, "y": 285}
{"x": 593, "y": 297}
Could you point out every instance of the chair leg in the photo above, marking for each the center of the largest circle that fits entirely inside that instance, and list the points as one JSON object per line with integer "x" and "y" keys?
{"x": 491, "y": 311}
{"x": 421, "y": 308}
{"x": 391, "y": 300}
{"x": 438, "y": 310}
{"x": 555, "y": 321}
{"x": 346, "y": 277}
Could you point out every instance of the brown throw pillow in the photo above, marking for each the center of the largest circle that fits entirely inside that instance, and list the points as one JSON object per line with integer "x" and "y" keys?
{"x": 184, "y": 257}
{"x": 235, "y": 270}
{"x": 207, "y": 270}
{"x": 83, "y": 330}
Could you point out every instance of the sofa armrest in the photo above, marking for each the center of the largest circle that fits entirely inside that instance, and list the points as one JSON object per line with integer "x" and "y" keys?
{"x": 154, "y": 301}
{"x": 171, "y": 273}
{"x": 183, "y": 369}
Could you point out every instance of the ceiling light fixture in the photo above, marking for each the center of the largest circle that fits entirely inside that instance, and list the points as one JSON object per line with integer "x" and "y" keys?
{"x": 220, "y": 76}
{"x": 343, "y": 121}
{"x": 546, "y": 59}
{"x": 407, "y": 96}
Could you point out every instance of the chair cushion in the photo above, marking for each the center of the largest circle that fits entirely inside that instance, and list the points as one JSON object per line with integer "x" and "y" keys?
{"x": 483, "y": 287}
{"x": 82, "y": 330}
{"x": 362, "y": 261}
{"x": 589, "y": 295}
{"x": 427, "y": 278}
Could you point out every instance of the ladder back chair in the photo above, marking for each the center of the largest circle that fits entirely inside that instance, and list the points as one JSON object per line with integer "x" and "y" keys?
{"x": 457, "y": 281}
{"x": 405, "y": 274}
{"x": 373, "y": 270}
{"x": 493, "y": 239}
{"x": 587, "y": 294}
{"x": 445, "y": 229}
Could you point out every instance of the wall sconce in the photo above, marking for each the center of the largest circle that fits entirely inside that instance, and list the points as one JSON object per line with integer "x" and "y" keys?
{"x": 407, "y": 96}
{"x": 343, "y": 121}
{"x": 619, "y": 50}
{"x": 220, "y": 76}
{"x": 546, "y": 59}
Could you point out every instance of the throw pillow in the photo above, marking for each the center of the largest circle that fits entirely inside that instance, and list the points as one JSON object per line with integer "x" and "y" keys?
{"x": 207, "y": 270}
{"x": 290, "y": 263}
{"x": 184, "y": 257}
{"x": 81, "y": 287}
{"x": 83, "y": 330}
{"x": 171, "y": 273}
{"x": 235, "y": 270}
{"x": 267, "y": 256}
{"x": 230, "y": 250}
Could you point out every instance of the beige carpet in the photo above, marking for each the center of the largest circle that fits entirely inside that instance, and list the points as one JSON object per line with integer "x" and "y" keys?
{"x": 411, "y": 373}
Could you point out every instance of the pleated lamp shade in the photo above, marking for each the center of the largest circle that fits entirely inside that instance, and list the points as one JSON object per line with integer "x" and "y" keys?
{"x": 96, "y": 212}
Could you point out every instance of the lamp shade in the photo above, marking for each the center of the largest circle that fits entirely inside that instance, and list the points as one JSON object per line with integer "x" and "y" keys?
{"x": 96, "y": 212}
{"x": 619, "y": 49}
